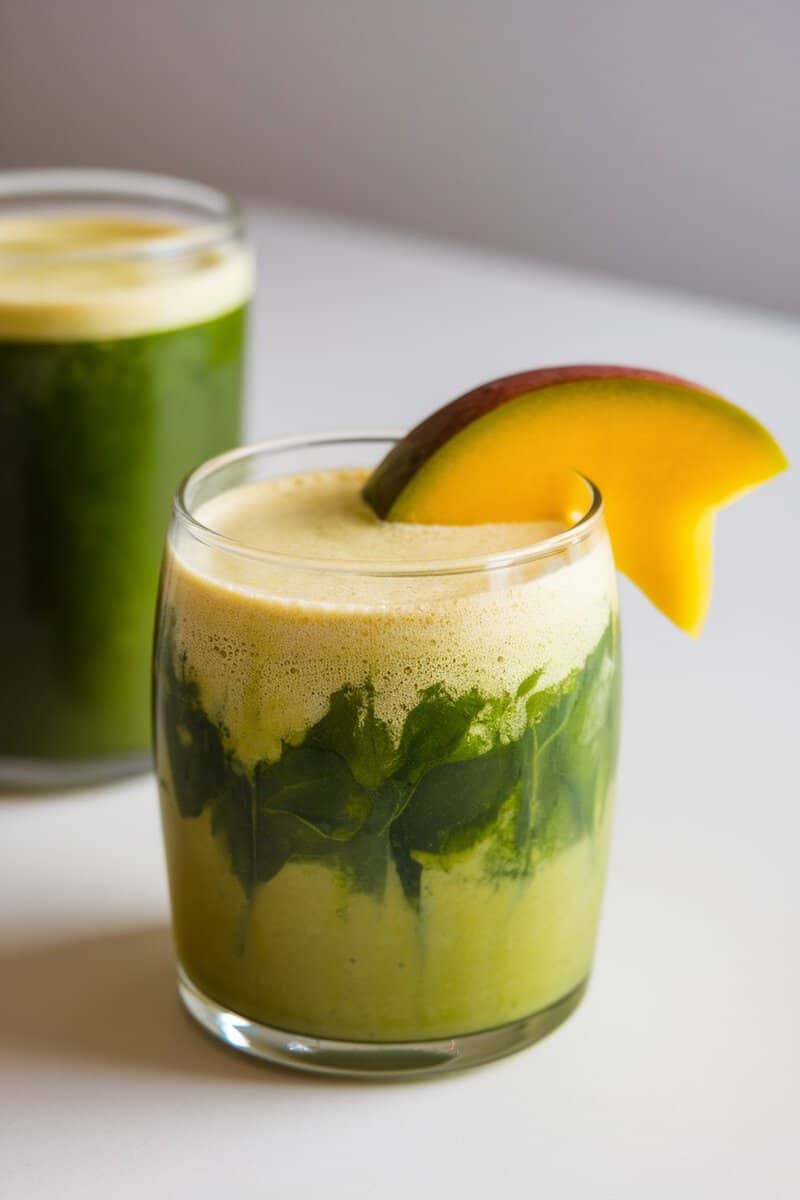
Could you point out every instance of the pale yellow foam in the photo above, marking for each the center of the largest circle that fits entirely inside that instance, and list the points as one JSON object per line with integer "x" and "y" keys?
{"x": 269, "y": 645}
{"x": 47, "y": 296}
{"x": 321, "y": 515}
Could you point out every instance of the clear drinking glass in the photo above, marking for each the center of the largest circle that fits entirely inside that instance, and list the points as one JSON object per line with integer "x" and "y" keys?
{"x": 386, "y": 786}
{"x": 122, "y": 325}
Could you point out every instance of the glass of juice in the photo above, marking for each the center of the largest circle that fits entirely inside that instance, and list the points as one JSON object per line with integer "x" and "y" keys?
{"x": 122, "y": 325}
{"x": 386, "y": 756}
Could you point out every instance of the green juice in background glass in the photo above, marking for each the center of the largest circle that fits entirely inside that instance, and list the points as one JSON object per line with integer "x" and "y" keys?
{"x": 122, "y": 326}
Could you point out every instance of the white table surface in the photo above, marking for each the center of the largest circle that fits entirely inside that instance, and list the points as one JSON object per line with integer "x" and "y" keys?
{"x": 678, "y": 1076}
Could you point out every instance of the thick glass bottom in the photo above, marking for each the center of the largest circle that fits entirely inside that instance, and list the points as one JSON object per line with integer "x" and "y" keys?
{"x": 49, "y": 774}
{"x": 372, "y": 1060}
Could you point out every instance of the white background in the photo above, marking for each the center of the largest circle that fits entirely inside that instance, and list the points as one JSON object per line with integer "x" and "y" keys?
{"x": 658, "y": 139}
{"x": 679, "y": 1074}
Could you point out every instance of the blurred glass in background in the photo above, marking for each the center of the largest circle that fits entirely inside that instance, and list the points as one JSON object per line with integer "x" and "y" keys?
{"x": 123, "y": 303}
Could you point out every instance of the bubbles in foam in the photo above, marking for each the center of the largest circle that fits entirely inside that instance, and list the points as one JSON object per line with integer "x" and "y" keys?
{"x": 293, "y": 637}
{"x": 45, "y": 298}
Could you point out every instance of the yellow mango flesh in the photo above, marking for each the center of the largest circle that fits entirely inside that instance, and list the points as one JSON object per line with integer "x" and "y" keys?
{"x": 665, "y": 456}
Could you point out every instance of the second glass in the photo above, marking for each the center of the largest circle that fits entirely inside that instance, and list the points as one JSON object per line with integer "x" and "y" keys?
{"x": 386, "y": 758}
{"x": 122, "y": 323}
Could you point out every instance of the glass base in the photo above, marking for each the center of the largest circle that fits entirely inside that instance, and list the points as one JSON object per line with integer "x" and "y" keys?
{"x": 372, "y": 1060}
{"x": 51, "y": 774}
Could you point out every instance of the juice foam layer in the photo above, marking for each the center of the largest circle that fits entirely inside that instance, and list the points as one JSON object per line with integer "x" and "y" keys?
{"x": 49, "y": 292}
{"x": 269, "y": 645}
{"x": 322, "y": 515}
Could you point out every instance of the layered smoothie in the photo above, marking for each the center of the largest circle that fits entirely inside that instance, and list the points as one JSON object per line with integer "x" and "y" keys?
{"x": 386, "y": 795}
{"x": 120, "y": 369}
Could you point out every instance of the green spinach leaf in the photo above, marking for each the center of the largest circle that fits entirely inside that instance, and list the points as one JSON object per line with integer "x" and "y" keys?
{"x": 434, "y": 729}
{"x": 349, "y": 796}
{"x": 451, "y": 805}
{"x": 351, "y": 729}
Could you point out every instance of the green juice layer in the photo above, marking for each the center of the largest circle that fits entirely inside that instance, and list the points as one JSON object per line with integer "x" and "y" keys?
{"x": 94, "y": 436}
{"x": 375, "y": 884}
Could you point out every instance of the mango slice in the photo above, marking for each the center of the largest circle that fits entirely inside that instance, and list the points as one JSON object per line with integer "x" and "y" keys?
{"x": 666, "y": 455}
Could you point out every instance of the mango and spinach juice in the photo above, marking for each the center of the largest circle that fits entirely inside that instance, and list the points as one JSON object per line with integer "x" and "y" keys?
{"x": 120, "y": 369}
{"x": 386, "y": 798}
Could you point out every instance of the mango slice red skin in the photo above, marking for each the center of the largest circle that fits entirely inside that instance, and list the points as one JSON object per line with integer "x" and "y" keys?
{"x": 402, "y": 462}
{"x": 666, "y": 454}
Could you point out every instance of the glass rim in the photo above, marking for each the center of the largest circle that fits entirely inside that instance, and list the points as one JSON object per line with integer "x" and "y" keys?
{"x": 586, "y": 525}
{"x": 220, "y": 215}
